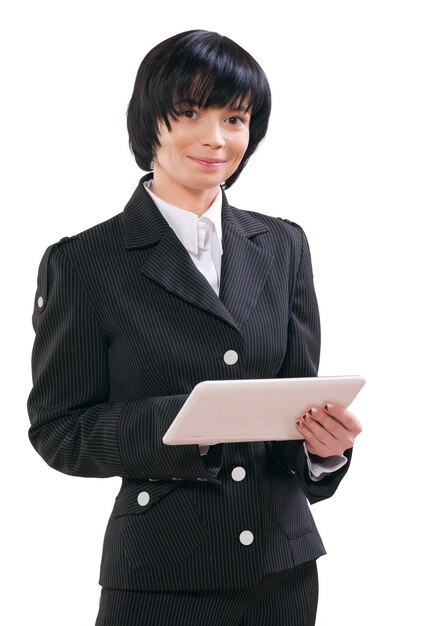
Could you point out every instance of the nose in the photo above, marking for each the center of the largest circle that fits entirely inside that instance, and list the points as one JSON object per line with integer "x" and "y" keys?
{"x": 211, "y": 134}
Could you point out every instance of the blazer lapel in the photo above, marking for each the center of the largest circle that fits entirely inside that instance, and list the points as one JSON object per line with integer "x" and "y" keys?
{"x": 167, "y": 263}
{"x": 244, "y": 265}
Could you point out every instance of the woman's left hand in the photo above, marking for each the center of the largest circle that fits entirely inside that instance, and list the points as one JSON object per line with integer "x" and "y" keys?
{"x": 329, "y": 430}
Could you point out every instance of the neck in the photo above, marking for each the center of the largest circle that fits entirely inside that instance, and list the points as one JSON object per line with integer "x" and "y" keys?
{"x": 196, "y": 201}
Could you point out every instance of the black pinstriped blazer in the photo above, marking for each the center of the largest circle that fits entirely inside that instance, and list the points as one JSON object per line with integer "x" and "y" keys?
{"x": 125, "y": 327}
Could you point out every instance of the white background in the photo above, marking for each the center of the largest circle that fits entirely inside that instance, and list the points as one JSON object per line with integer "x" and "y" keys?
{"x": 346, "y": 157}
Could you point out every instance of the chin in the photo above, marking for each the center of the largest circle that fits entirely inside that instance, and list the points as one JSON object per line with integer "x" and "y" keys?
{"x": 204, "y": 182}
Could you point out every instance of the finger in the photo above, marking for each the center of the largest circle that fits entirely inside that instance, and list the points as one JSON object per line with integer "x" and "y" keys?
{"x": 341, "y": 437}
{"x": 318, "y": 430}
{"x": 320, "y": 436}
{"x": 313, "y": 445}
{"x": 330, "y": 424}
{"x": 345, "y": 417}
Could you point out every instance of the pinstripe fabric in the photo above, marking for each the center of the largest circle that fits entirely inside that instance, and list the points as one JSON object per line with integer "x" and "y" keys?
{"x": 285, "y": 599}
{"x": 125, "y": 327}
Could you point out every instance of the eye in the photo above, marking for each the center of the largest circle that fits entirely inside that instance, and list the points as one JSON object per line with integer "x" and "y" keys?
{"x": 189, "y": 114}
{"x": 235, "y": 120}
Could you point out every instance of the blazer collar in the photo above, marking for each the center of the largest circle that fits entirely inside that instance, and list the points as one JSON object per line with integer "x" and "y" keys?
{"x": 244, "y": 268}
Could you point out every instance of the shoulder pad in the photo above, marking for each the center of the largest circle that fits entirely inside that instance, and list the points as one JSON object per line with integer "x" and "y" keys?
{"x": 64, "y": 240}
{"x": 42, "y": 278}
{"x": 284, "y": 219}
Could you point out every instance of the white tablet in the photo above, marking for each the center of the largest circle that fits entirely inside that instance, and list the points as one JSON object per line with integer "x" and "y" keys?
{"x": 225, "y": 411}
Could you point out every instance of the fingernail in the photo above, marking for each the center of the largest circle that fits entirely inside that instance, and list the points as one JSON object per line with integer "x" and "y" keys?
{"x": 299, "y": 423}
{"x": 328, "y": 406}
{"x": 313, "y": 411}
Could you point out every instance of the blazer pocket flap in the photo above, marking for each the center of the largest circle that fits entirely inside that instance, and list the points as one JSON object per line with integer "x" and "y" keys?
{"x": 139, "y": 497}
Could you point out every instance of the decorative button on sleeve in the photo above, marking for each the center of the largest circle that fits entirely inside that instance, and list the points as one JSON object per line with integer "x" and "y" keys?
{"x": 246, "y": 537}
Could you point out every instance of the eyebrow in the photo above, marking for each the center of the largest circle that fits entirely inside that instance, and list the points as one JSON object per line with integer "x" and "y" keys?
{"x": 192, "y": 103}
{"x": 241, "y": 109}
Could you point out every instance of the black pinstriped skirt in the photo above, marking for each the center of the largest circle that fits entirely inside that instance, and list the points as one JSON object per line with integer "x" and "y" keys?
{"x": 288, "y": 598}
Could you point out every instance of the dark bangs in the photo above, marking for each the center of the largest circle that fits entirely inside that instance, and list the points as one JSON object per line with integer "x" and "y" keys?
{"x": 206, "y": 90}
{"x": 198, "y": 68}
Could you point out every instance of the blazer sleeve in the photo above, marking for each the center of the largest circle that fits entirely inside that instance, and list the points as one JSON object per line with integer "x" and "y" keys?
{"x": 74, "y": 427}
{"x": 302, "y": 360}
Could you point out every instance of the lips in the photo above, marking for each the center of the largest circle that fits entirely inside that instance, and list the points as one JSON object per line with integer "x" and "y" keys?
{"x": 207, "y": 160}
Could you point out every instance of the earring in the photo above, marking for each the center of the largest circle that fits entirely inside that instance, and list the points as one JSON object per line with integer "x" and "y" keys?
{"x": 151, "y": 165}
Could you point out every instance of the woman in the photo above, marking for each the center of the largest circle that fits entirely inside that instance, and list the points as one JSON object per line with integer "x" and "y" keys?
{"x": 182, "y": 287}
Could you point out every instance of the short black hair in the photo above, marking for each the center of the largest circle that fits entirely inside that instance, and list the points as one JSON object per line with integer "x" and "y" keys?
{"x": 205, "y": 69}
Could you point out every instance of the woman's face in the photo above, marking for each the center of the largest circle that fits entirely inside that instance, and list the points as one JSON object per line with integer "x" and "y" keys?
{"x": 204, "y": 147}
